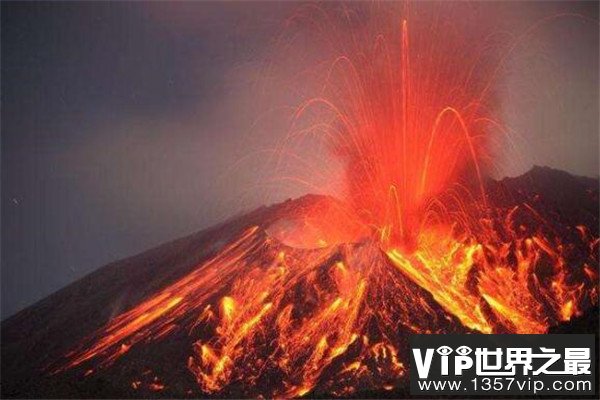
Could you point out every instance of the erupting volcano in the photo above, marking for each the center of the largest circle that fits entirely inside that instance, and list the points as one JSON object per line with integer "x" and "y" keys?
{"x": 319, "y": 295}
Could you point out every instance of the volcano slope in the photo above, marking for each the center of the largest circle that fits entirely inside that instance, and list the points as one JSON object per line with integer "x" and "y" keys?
{"x": 241, "y": 310}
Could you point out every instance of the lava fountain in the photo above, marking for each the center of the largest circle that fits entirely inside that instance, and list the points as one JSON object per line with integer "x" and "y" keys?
{"x": 409, "y": 117}
{"x": 322, "y": 295}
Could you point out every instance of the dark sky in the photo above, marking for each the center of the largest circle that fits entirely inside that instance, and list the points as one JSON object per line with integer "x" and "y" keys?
{"x": 121, "y": 122}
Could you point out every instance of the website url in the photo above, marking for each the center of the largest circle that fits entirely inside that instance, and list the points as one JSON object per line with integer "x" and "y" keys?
{"x": 499, "y": 384}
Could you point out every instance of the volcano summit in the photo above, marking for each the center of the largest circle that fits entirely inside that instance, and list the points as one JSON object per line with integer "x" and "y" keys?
{"x": 274, "y": 304}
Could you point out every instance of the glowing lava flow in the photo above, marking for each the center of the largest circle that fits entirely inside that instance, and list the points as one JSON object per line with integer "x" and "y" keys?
{"x": 260, "y": 311}
{"x": 323, "y": 299}
{"x": 335, "y": 319}
{"x": 495, "y": 286}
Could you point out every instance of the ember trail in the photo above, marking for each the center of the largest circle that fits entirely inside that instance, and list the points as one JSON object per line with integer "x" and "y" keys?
{"x": 321, "y": 295}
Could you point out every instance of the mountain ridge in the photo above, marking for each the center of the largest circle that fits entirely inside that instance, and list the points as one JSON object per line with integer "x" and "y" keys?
{"x": 50, "y": 323}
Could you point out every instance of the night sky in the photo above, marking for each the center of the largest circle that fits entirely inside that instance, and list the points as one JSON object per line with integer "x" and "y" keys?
{"x": 121, "y": 121}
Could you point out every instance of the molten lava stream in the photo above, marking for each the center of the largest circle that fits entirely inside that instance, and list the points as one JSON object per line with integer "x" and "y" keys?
{"x": 496, "y": 286}
{"x": 334, "y": 318}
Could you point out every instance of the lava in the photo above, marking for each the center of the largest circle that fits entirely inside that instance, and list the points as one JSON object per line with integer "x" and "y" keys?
{"x": 324, "y": 298}
{"x": 408, "y": 115}
{"x": 336, "y": 318}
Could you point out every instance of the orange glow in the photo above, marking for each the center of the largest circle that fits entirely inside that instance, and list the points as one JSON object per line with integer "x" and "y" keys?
{"x": 324, "y": 297}
{"x": 335, "y": 311}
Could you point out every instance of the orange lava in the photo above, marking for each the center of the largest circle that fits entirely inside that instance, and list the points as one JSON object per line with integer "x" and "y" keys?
{"x": 335, "y": 318}
{"x": 323, "y": 299}
{"x": 407, "y": 115}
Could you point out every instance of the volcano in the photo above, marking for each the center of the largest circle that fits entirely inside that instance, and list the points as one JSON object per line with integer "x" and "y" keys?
{"x": 270, "y": 304}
